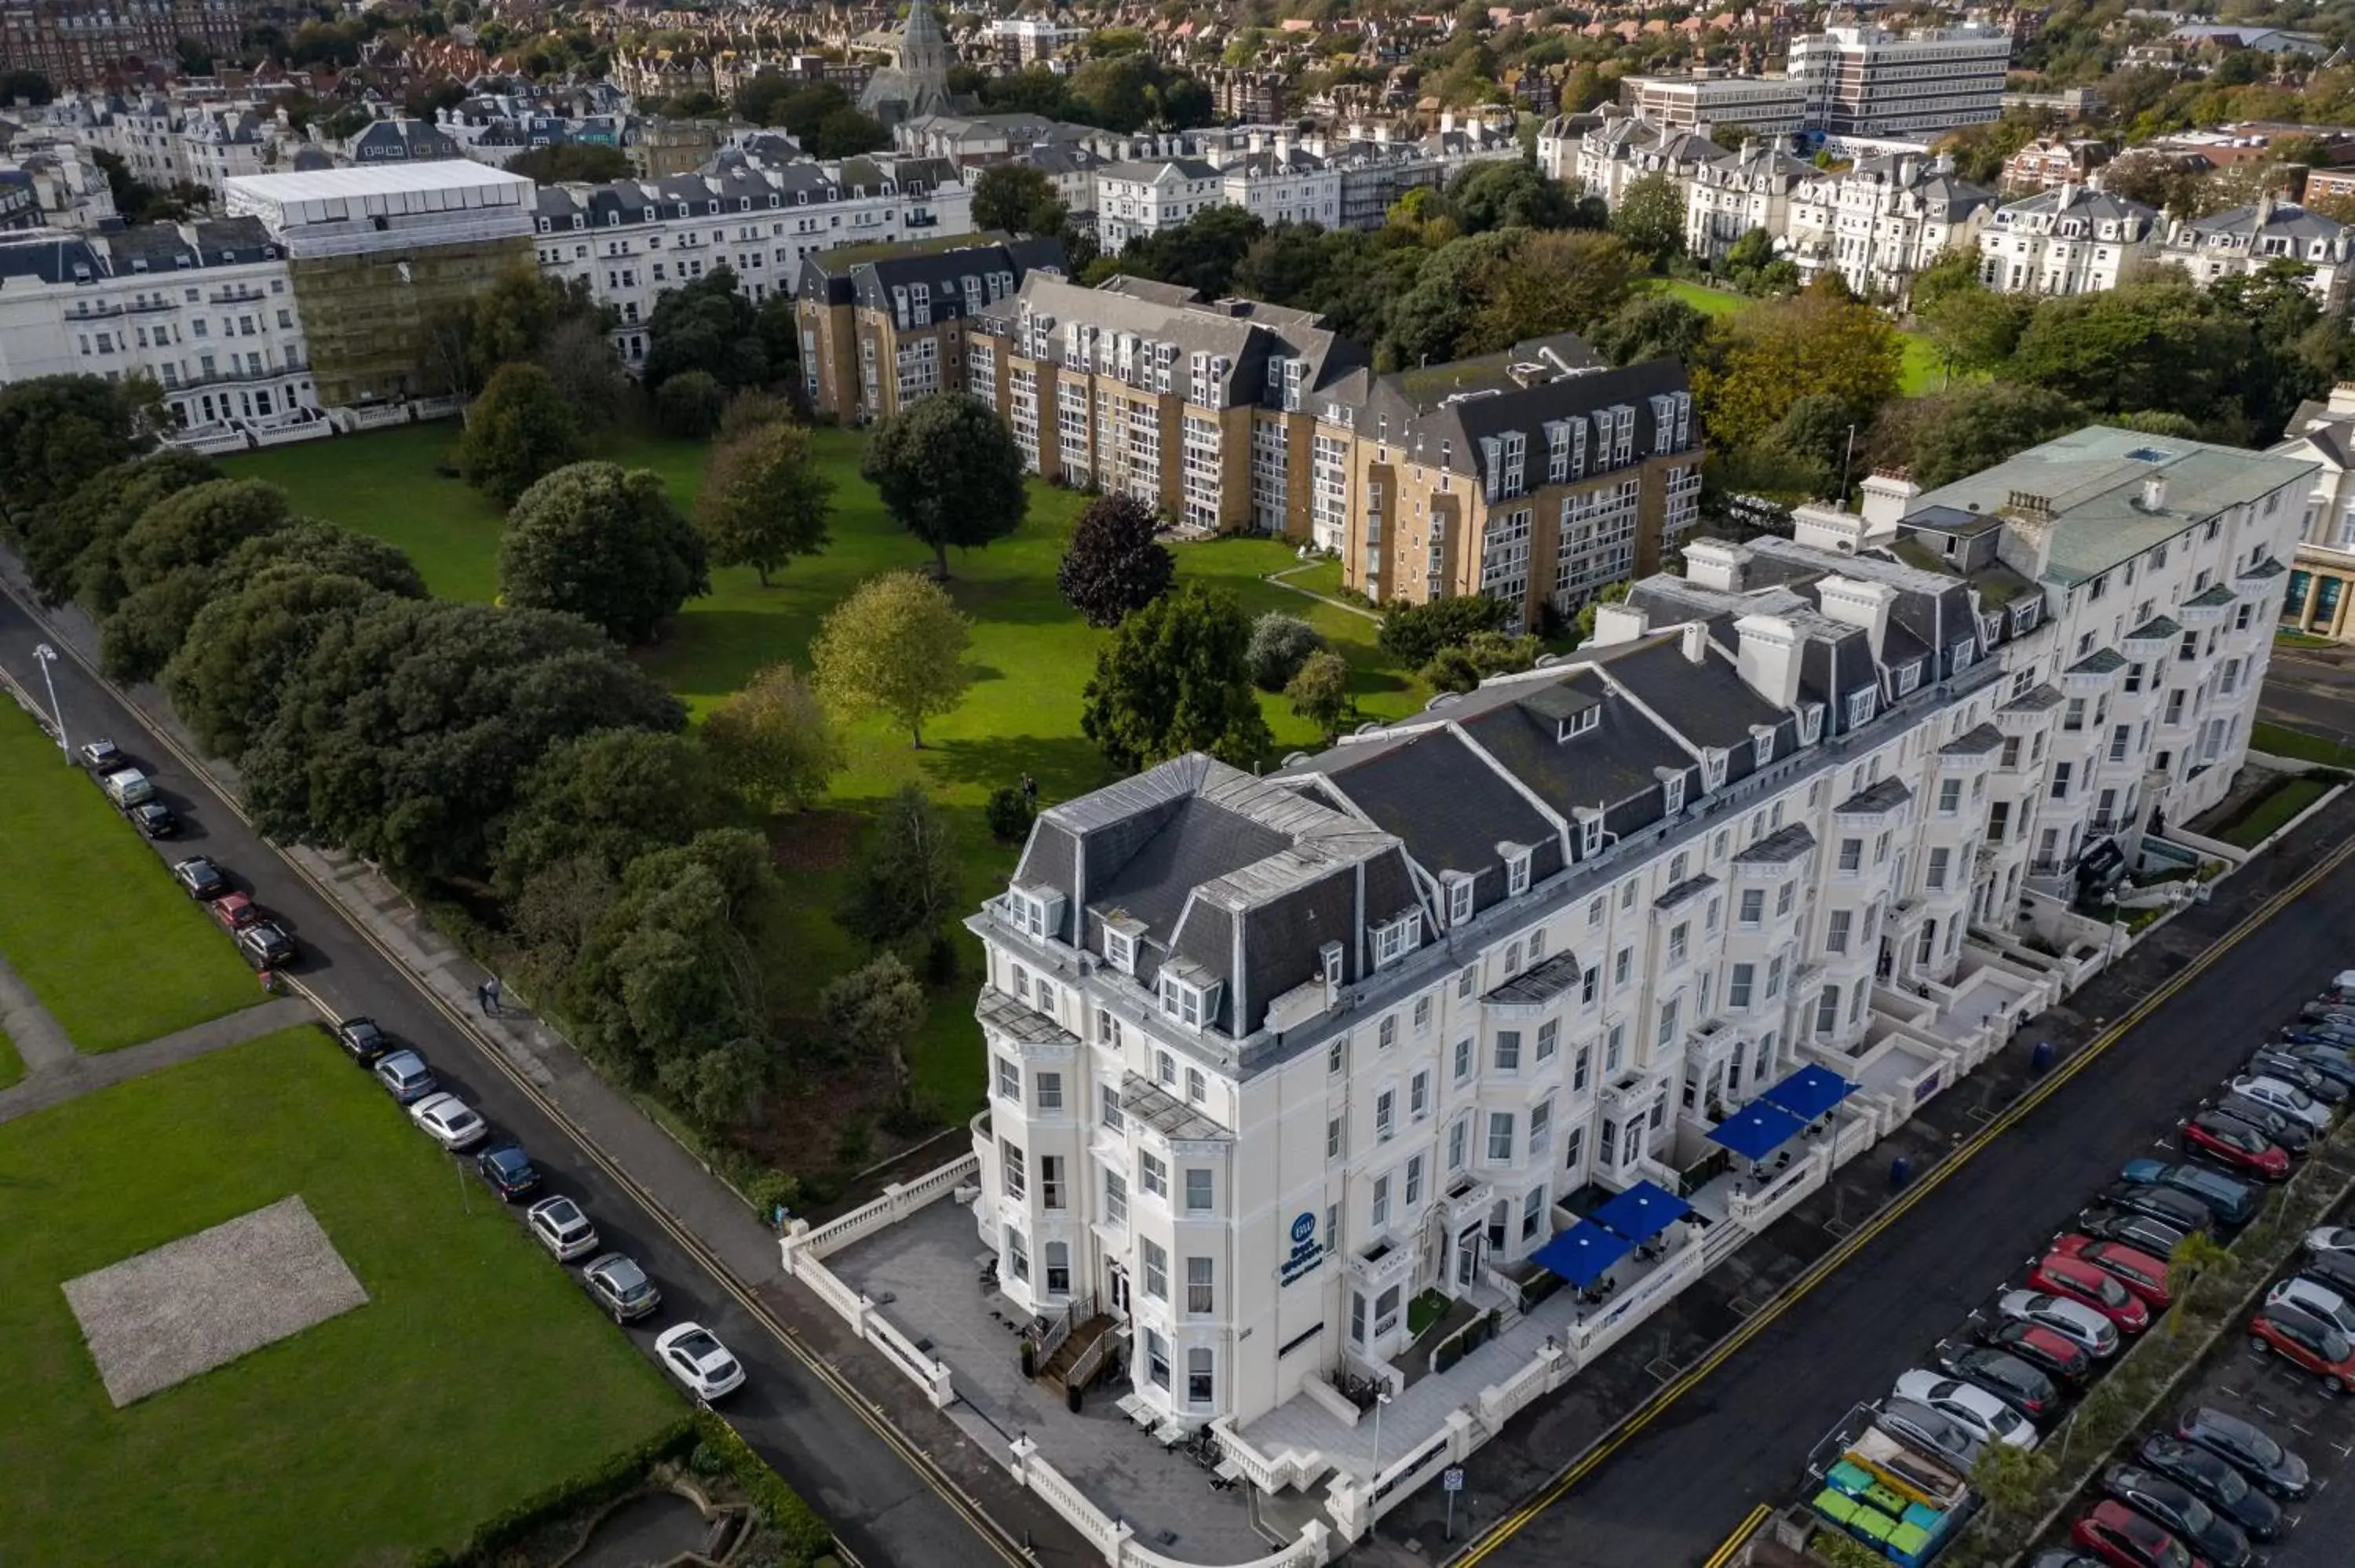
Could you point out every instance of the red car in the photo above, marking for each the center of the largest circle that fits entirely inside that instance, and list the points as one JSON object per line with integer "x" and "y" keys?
{"x": 2117, "y": 1535}
{"x": 2236, "y": 1144}
{"x": 2059, "y": 1274}
{"x": 2307, "y": 1342}
{"x": 234, "y": 911}
{"x": 2139, "y": 1271}
{"x": 2040, "y": 1347}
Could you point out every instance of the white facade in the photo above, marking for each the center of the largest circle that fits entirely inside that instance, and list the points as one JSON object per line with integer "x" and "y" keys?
{"x": 1623, "y": 150}
{"x": 1770, "y": 105}
{"x": 1883, "y": 221}
{"x": 1283, "y": 187}
{"x": 1728, "y": 197}
{"x": 1865, "y": 82}
{"x": 385, "y": 207}
{"x": 2249, "y": 239}
{"x": 2071, "y": 239}
{"x": 1135, "y": 200}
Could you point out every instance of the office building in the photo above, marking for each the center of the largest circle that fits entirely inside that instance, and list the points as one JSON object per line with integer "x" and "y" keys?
{"x": 1701, "y": 100}
{"x": 1867, "y": 81}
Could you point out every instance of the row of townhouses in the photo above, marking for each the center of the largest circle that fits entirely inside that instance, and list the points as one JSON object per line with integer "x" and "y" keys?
{"x": 1535, "y": 475}
{"x": 1271, "y": 1056}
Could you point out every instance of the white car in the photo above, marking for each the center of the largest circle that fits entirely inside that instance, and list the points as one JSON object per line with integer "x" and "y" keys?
{"x": 1967, "y": 1405}
{"x": 2286, "y": 1099}
{"x": 450, "y": 1121}
{"x": 697, "y": 1358}
{"x": 562, "y": 1228}
{"x": 2072, "y": 1321}
{"x": 2323, "y": 1240}
{"x": 2315, "y": 1301}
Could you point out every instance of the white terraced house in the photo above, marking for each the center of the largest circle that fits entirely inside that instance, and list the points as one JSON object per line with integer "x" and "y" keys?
{"x": 1270, "y": 1056}
{"x": 2071, "y": 239}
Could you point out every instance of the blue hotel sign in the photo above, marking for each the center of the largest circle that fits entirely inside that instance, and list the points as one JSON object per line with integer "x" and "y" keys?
{"x": 1306, "y": 1251}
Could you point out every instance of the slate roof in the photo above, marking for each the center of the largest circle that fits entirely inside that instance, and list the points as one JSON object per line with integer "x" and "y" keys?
{"x": 865, "y": 274}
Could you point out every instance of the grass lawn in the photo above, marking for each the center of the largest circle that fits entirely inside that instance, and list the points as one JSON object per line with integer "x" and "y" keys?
{"x": 2271, "y": 811}
{"x": 126, "y": 957}
{"x": 475, "y": 1376}
{"x": 1701, "y": 297}
{"x": 1032, "y": 657}
{"x": 2280, "y": 740}
{"x": 12, "y": 1067}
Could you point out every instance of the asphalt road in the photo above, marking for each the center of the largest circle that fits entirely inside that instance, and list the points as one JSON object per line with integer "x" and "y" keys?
{"x": 2312, "y": 689}
{"x": 882, "y": 1509}
{"x": 1740, "y": 1437}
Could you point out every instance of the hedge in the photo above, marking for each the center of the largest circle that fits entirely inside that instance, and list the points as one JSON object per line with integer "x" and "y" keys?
{"x": 803, "y": 1536}
{"x": 616, "y": 1478}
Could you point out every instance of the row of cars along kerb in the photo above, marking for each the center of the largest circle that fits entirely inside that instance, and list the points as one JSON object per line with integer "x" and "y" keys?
{"x": 1895, "y": 1475}
{"x": 621, "y": 1287}
{"x": 129, "y": 789}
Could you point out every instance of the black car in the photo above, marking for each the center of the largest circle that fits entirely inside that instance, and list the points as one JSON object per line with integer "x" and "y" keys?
{"x": 362, "y": 1040}
{"x": 154, "y": 819}
{"x": 2275, "y": 1061}
{"x": 2338, "y": 1034}
{"x": 265, "y": 947}
{"x": 2214, "y": 1481}
{"x": 2331, "y": 1270}
{"x": 2141, "y": 1232}
{"x": 2254, "y": 1452}
{"x": 508, "y": 1170}
{"x": 2215, "y": 1540}
{"x": 2291, "y": 1134}
{"x": 2006, "y": 1376}
{"x": 200, "y": 879}
{"x": 2326, "y": 1059}
{"x": 2040, "y": 1348}
{"x": 2181, "y": 1210}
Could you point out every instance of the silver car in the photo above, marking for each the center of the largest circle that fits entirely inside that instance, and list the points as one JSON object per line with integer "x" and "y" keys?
{"x": 2072, "y": 1320}
{"x": 562, "y": 1227}
{"x": 1929, "y": 1432}
{"x": 619, "y": 1285}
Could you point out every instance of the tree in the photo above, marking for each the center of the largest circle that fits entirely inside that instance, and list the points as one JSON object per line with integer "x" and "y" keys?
{"x": 574, "y": 161}
{"x": 875, "y": 1010}
{"x": 846, "y": 133}
{"x": 2159, "y": 344}
{"x": 763, "y": 499}
{"x": 2013, "y": 1481}
{"x": 1549, "y": 283}
{"x": 1113, "y": 564}
{"x": 69, "y": 548}
{"x": 765, "y": 96}
{"x": 166, "y": 561}
{"x": 1280, "y": 645}
{"x": 520, "y": 428}
{"x": 56, "y": 431}
{"x": 688, "y": 405}
{"x": 1978, "y": 427}
{"x": 1319, "y": 691}
{"x": 2196, "y": 1256}
{"x": 706, "y": 325}
{"x": 245, "y": 646}
{"x": 1413, "y": 633}
{"x": 27, "y": 87}
{"x": 1651, "y": 217}
{"x": 1176, "y": 678}
{"x": 948, "y": 473}
{"x": 610, "y": 795}
{"x": 1461, "y": 666}
{"x": 1767, "y": 357}
{"x": 1508, "y": 194}
{"x": 904, "y": 882}
{"x": 1018, "y": 198}
{"x": 896, "y": 646}
{"x": 603, "y": 544}
{"x": 512, "y": 320}
{"x": 1200, "y": 253}
{"x": 773, "y": 741}
{"x": 579, "y": 359}
{"x": 1650, "y": 326}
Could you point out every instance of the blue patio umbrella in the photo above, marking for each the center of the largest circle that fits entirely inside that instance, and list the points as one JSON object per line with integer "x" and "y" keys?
{"x": 1642, "y": 1211}
{"x": 1809, "y": 1092}
{"x": 1582, "y": 1253}
{"x": 1757, "y": 1130}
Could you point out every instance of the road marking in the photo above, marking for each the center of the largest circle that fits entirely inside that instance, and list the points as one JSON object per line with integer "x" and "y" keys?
{"x": 1734, "y": 1542}
{"x": 1511, "y": 1524}
{"x": 1007, "y": 1549}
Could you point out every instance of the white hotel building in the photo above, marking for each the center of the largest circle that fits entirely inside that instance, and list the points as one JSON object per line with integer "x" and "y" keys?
{"x": 1271, "y": 1055}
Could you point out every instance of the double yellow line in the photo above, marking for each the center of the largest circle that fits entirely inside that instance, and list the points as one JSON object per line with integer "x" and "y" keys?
{"x": 1007, "y": 1549}
{"x": 1496, "y": 1536}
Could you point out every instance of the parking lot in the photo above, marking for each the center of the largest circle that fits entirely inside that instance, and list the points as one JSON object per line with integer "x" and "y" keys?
{"x": 2317, "y": 1530}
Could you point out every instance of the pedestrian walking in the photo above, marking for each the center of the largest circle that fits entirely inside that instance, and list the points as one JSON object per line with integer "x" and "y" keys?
{"x": 491, "y": 992}
{"x": 1030, "y": 789}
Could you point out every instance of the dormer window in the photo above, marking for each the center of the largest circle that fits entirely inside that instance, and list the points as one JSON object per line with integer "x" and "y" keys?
{"x": 1859, "y": 707}
{"x": 1035, "y": 912}
{"x": 1185, "y": 1003}
{"x": 2023, "y": 615}
{"x": 1579, "y": 723}
{"x": 1712, "y": 768}
{"x": 1908, "y": 676}
{"x": 1589, "y": 835}
{"x": 1517, "y": 871}
{"x": 1672, "y": 793}
{"x": 1761, "y": 745}
{"x": 1120, "y": 949}
{"x": 1394, "y": 939}
{"x": 1811, "y": 724}
{"x": 1459, "y": 901}
{"x": 1964, "y": 652}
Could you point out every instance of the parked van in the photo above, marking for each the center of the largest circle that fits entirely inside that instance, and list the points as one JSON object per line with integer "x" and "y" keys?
{"x": 128, "y": 788}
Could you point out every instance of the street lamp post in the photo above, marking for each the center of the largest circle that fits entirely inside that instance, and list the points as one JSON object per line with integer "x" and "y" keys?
{"x": 48, "y": 656}
{"x": 1374, "y": 1480}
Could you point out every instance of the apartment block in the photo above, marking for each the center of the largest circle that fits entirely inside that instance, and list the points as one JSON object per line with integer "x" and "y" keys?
{"x": 81, "y": 43}
{"x": 1881, "y": 221}
{"x": 1869, "y": 82}
{"x": 1135, "y": 199}
{"x": 883, "y": 326}
{"x": 2069, "y": 239}
{"x": 1271, "y": 1056}
{"x": 1727, "y": 197}
{"x": 2321, "y": 598}
{"x": 2248, "y": 239}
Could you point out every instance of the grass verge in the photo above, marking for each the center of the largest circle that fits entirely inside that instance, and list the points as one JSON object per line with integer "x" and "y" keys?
{"x": 2280, "y": 740}
{"x": 92, "y": 925}
{"x": 2271, "y": 811}
{"x": 477, "y": 1376}
{"x": 12, "y": 1067}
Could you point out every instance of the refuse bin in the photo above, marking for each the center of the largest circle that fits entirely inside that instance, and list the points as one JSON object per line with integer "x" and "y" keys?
{"x": 1901, "y": 1171}
{"x": 2040, "y": 1058}
{"x": 1072, "y": 1399}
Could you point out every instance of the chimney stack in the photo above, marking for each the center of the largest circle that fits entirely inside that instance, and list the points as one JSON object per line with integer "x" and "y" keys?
{"x": 1768, "y": 662}
{"x": 1616, "y": 623}
{"x": 2026, "y": 545}
{"x": 1854, "y": 602}
{"x": 1714, "y": 564}
{"x": 1695, "y": 641}
{"x": 2153, "y": 493}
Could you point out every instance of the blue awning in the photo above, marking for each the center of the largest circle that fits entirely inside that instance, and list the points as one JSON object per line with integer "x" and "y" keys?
{"x": 1642, "y": 1211}
{"x": 1809, "y": 1092}
{"x": 1581, "y": 1254}
{"x": 1757, "y": 1130}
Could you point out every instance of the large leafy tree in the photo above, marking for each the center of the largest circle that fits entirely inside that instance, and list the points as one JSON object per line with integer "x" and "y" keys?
{"x": 1757, "y": 363}
{"x": 1510, "y": 194}
{"x": 2160, "y": 344}
{"x": 1552, "y": 282}
{"x": 58, "y": 430}
{"x": 875, "y": 1010}
{"x": 763, "y": 500}
{"x": 1976, "y": 427}
{"x": 1651, "y": 217}
{"x": 706, "y": 325}
{"x": 69, "y": 550}
{"x": 1649, "y": 326}
{"x": 518, "y": 430}
{"x": 948, "y": 473}
{"x": 773, "y": 741}
{"x": 167, "y": 560}
{"x": 1176, "y": 678}
{"x": 611, "y": 795}
{"x": 896, "y": 647}
{"x": 904, "y": 883}
{"x": 245, "y": 646}
{"x": 1413, "y": 633}
{"x": 407, "y": 730}
{"x": 1018, "y": 198}
{"x": 606, "y": 545}
{"x": 1113, "y": 564}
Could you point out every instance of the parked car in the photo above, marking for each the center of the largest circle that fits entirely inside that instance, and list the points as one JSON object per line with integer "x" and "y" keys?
{"x": 449, "y": 1122}
{"x": 232, "y": 912}
{"x": 406, "y": 1077}
{"x": 2143, "y": 1233}
{"x": 2232, "y": 1203}
{"x": 2076, "y": 1279}
{"x": 101, "y": 756}
{"x": 617, "y": 1284}
{"x": 2324, "y": 1010}
{"x": 2008, "y": 1378}
{"x": 2331, "y": 1270}
{"x": 2254, "y": 1452}
{"x": 2327, "y": 1058}
{"x": 2123, "y": 1539}
{"x": 508, "y": 1172}
{"x": 362, "y": 1040}
{"x": 1929, "y": 1433}
{"x": 2216, "y": 1481}
{"x": 697, "y": 1358}
{"x": 2316, "y": 1300}
{"x": 2073, "y": 1321}
{"x": 2289, "y": 1072}
{"x": 1967, "y": 1405}
{"x": 2181, "y": 1210}
{"x": 2304, "y": 1342}
{"x": 199, "y": 878}
{"x": 2237, "y": 1144}
{"x": 562, "y": 1227}
{"x": 2063, "y": 1557}
{"x": 156, "y": 820}
{"x": 2319, "y": 1034}
{"x": 2056, "y": 1355}
{"x": 2174, "y": 1510}
{"x": 2293, "y": 1135}
{"x": 2330, "y": 1238}
{"x": 265, "y": 946}
{"x": 127, "y": 786}
{"x": 2139, "y": 1271}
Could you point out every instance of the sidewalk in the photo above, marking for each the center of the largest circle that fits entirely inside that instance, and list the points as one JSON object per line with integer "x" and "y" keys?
{"x": 48, "y": 1081}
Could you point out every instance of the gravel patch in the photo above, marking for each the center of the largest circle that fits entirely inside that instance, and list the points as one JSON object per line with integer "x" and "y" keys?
{"x": 189, "y": 1306}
